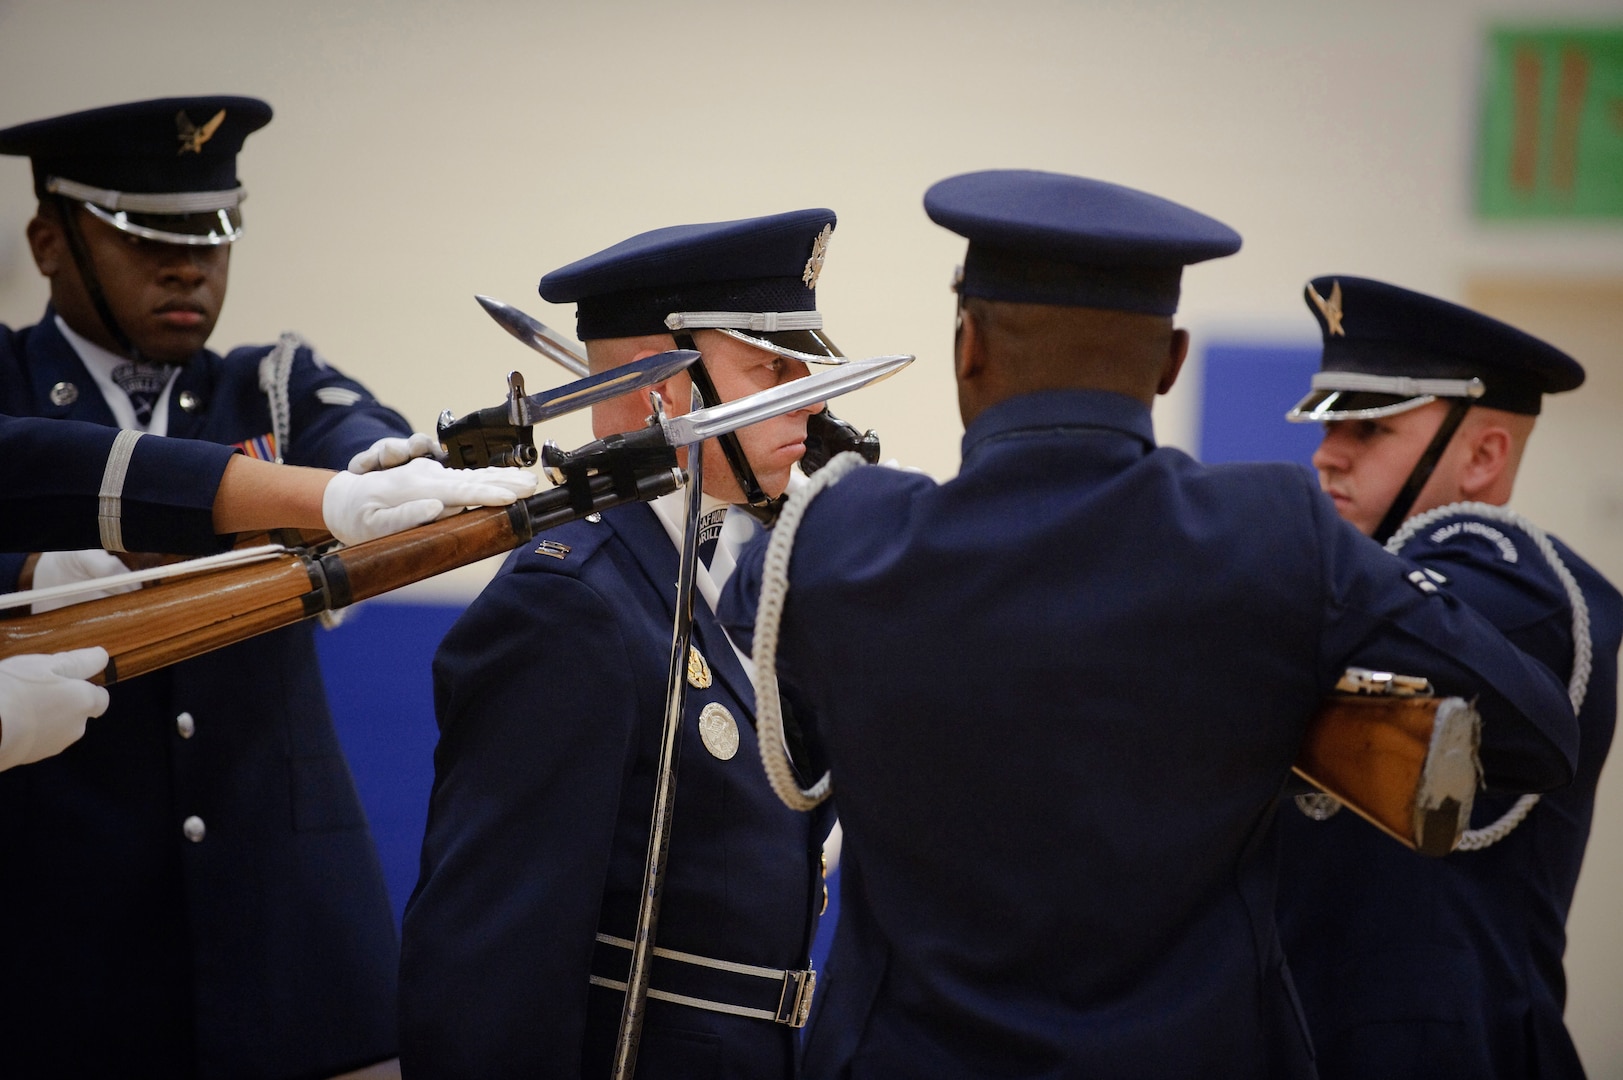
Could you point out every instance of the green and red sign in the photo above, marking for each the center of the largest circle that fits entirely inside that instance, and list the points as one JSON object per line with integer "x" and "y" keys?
{"x": 1552, "y": 131}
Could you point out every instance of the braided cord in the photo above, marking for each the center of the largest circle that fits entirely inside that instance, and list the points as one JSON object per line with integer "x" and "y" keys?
{"x": 768, "y": 614}
{"x": 1582, "y": 646}
{"x": 275, "y": 380}
{"x": 275, "y": 373}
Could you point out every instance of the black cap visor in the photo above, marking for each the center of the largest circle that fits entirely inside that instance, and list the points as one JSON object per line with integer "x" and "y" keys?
{"x": 1322, "y": 406}
{"x": 203, "y": 228}
{"x": 807, "y": 346}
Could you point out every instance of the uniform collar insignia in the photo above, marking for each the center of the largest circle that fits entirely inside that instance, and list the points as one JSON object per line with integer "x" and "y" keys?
{"x": 698, "y": 670}
{"x": 193, "y": 137}
{"x": 1331, "y": 309}
{"x": 710, "y": 524}
{"x": 814, "y": 265}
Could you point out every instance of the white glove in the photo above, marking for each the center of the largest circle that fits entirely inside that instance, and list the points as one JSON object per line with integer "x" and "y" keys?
{"x": 391, "y": 451}
{"x": 44, "y": 702}
{"x": 359, "y": 507}
{"x": 62, "y": 567}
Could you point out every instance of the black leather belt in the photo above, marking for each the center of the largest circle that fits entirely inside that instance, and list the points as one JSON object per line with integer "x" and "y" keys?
{"x": 761, "y": 993}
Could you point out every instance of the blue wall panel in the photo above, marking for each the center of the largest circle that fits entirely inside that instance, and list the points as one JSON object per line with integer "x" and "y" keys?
{"x": 1246, "y": 390}
{"x": 378, "y": 680}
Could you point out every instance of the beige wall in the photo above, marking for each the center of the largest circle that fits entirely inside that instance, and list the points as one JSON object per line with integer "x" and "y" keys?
{"x": 1572, "y": 477}
{"x": 424, "y": 152}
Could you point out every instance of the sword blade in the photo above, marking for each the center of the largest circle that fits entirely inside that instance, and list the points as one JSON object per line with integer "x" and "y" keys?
{"x": 634, "y": 1007}
{"x": 704, "y": 424}
{"x": 534, "y": 333}
{"x": 586, "y": 392}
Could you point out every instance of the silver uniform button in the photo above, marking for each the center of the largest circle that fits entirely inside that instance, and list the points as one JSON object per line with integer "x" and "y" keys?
{"x": 185, "y": 725}
{"x": 64, "y": 393}
{"x": 188, "y": 401}
{"x": 194, "y": 829}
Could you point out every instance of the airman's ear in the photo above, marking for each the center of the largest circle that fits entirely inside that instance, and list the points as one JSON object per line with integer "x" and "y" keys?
{"x": 969, "y": 347}
{"x": 48, "y": 244}
{"x": 1491, "y": 448}
{"x": 1177, "y": 353}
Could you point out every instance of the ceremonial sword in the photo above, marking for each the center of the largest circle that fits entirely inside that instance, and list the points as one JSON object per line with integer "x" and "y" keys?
{"x": 634, "y": 1008}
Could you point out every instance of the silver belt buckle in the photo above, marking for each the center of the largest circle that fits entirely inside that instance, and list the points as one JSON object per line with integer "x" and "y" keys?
{"x": 794, "y": 1004}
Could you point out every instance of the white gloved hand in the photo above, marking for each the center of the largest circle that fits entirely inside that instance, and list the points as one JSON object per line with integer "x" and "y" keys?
{"x": 389, "y": 452}
{"x": 44, "y": 702}
{"x": 365, "y": 506}
{"x": 63, "y": 567}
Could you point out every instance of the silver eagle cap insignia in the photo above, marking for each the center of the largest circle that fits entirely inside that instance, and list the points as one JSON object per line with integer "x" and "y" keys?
{"x": 191, "y": 136}
{"x": 1331, "y": 309}
{"x": 819, "y": 252}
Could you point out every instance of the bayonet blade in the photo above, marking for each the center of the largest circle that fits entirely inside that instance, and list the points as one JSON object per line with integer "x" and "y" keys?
{"x": 631, "y": 454}
{"x": 535, "y": 333}
{"x": 716, "y": 420}
{"x": 586, "y": 392}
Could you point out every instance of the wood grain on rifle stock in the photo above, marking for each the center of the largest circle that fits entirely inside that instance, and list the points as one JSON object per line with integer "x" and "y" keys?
{"x": 177, "y": 619}
{"x": 1369, "y": 752}
{"x": 187, "y": 616}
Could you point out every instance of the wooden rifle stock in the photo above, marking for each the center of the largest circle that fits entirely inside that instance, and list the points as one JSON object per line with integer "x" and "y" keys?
{"x": 1405, "y": 764}
{"x": 185, "y": 617}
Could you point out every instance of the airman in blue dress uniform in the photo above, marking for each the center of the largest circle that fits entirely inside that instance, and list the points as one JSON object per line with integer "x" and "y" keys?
{"x": 1406, "y": 965}
{"x": 1073, "y": 679}
{"x": 550, "y": 693}
{"x": 193, "y": 883}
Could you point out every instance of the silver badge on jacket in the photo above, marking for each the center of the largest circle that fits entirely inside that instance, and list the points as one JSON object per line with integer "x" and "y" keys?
{"x": 719, "y": 731}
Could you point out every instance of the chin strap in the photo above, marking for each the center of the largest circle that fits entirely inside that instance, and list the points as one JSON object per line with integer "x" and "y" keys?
{"x": 87, "y": 273}
{"x": 1399, "y": 510}
{"x": 761, "y": 505}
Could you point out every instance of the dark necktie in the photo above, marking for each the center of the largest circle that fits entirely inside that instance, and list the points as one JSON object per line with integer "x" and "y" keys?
{"x": 142, "y": 383}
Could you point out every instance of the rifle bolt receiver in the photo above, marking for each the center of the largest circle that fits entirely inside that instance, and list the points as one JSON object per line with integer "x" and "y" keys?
{"x": 827, "y": 436}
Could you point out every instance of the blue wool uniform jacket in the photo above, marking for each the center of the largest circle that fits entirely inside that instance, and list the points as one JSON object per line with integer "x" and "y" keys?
{"x": 1440, "y": 968}
{"x": 1071, "y": 684}
{"x": 268, "y": 948}
{"x": 51, "y": 476}
{"x": 550, "y": 693}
